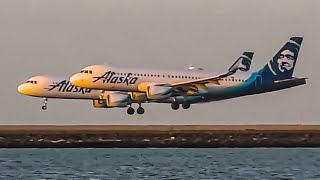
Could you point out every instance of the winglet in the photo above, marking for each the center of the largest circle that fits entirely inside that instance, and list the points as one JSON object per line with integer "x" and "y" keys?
{"x": 243, "y": 63}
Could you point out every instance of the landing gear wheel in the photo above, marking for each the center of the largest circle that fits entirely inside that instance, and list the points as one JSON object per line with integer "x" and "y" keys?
{"x": 45, "y": 102}
{"x": 140, "y": 110}
{"x": 186, "y": 105}
{"x": 130, "y": 111}
{"x": 175, "y": 106}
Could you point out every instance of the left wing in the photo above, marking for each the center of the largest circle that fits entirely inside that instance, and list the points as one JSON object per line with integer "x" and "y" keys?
{"x": 242, "y": 63}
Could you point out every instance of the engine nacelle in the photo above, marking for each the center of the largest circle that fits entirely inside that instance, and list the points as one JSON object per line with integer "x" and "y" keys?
{"x": 117, "y": 99}
{"x": 101, "y": 103}
{"x": 138, "y": 96}
{"x": 159, "y": 92}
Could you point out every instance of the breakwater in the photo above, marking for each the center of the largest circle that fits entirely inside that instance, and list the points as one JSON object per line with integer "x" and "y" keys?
{"x": 181, "y": 136}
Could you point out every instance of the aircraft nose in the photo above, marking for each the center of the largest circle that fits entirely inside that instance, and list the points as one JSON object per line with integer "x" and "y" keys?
{"x": 22, "y": 89}
{"x": 76, "y": 80}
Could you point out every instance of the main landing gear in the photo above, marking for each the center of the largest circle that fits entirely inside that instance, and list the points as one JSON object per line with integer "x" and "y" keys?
{"x": 175, "y": 105}
{"x": 45, "y": 102}
{"x": 131, "y": 111}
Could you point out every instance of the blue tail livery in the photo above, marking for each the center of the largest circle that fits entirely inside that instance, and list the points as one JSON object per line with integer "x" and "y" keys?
{"x": 281, "y": 66}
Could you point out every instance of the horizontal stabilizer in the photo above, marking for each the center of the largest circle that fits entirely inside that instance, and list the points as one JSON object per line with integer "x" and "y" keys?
{"x": 291, "y": 79}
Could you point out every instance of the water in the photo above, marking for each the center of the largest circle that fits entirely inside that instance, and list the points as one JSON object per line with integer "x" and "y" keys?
{"x": 259, "y": 163}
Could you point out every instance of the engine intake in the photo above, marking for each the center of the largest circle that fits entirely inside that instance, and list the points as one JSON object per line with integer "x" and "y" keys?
{"x": 101, "y": 103}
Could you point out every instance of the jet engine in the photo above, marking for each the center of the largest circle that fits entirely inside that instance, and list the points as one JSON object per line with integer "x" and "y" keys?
{"x": 138, "y": 96}
{"x": 116, "y": 99}
{"x": 101, "y": 103}
{"x": 159, "y": 92}
{"x": 112, "y": 99}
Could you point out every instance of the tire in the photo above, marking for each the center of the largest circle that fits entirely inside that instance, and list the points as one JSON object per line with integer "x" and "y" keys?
{"x": 130, "y": 111}
{"x": 175, "y": 106}
{"x": 140, "y": 110}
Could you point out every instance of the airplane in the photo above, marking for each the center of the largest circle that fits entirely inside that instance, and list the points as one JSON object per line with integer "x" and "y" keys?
{"x": 163, "y": 84}
{"x": 47, "y": 86}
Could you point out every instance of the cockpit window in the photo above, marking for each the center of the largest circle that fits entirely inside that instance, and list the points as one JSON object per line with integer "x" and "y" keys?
{"x": 86, "y": 71}
{"x": 32, "y": 82}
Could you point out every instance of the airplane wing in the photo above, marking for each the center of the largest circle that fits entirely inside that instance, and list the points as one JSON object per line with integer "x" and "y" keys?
{"x": 242, "y": 63}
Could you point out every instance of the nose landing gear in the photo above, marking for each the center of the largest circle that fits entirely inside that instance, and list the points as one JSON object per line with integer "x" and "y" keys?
{"x": 45, "y": 102}
{"x": 101, "y": 94}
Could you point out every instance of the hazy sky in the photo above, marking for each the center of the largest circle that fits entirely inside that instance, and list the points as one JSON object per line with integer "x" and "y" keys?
{"x": 61, "y": 36}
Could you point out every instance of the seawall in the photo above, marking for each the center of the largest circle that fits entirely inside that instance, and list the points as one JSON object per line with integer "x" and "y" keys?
{"x": 184, "y": 136}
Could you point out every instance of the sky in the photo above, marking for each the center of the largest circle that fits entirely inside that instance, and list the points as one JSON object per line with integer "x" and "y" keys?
{"x": 60, "y": 37}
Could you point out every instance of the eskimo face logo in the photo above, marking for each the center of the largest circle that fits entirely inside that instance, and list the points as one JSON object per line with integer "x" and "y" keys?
{"x": 111, "y": 77}
{"x": 66, "y": 86}
{"x": 286, "y": 60}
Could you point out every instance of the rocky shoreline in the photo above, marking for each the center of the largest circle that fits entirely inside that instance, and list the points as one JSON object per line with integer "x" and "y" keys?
{"x": 211, "y": 136}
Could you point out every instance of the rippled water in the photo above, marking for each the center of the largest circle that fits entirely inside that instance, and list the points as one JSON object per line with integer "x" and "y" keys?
{"x": 259, "y": 163}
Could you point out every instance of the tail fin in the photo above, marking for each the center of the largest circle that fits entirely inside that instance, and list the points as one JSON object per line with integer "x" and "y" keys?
{"x": 243, "y": 63}
{"x": 281, "y": 66}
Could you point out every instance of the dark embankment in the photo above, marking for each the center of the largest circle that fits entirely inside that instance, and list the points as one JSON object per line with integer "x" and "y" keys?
{"x": 160, "y": 136}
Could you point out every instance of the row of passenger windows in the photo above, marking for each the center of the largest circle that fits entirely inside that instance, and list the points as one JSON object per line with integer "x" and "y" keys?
{"x": 233, "y": 79}
{"x": 157, "y": 75}
{"x": 169, "y": 76}
{"x": 32, "y": 82}
{"x": 175, "y": 76}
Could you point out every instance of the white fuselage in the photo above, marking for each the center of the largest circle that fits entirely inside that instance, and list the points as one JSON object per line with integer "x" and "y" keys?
{"x": 54, "y": 87}
{"x": 132, "y": 79}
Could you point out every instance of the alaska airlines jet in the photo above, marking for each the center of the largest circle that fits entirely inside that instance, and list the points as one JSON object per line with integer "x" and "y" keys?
{"x": 60, "y": 87}
{"x": 163, "y": 84}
